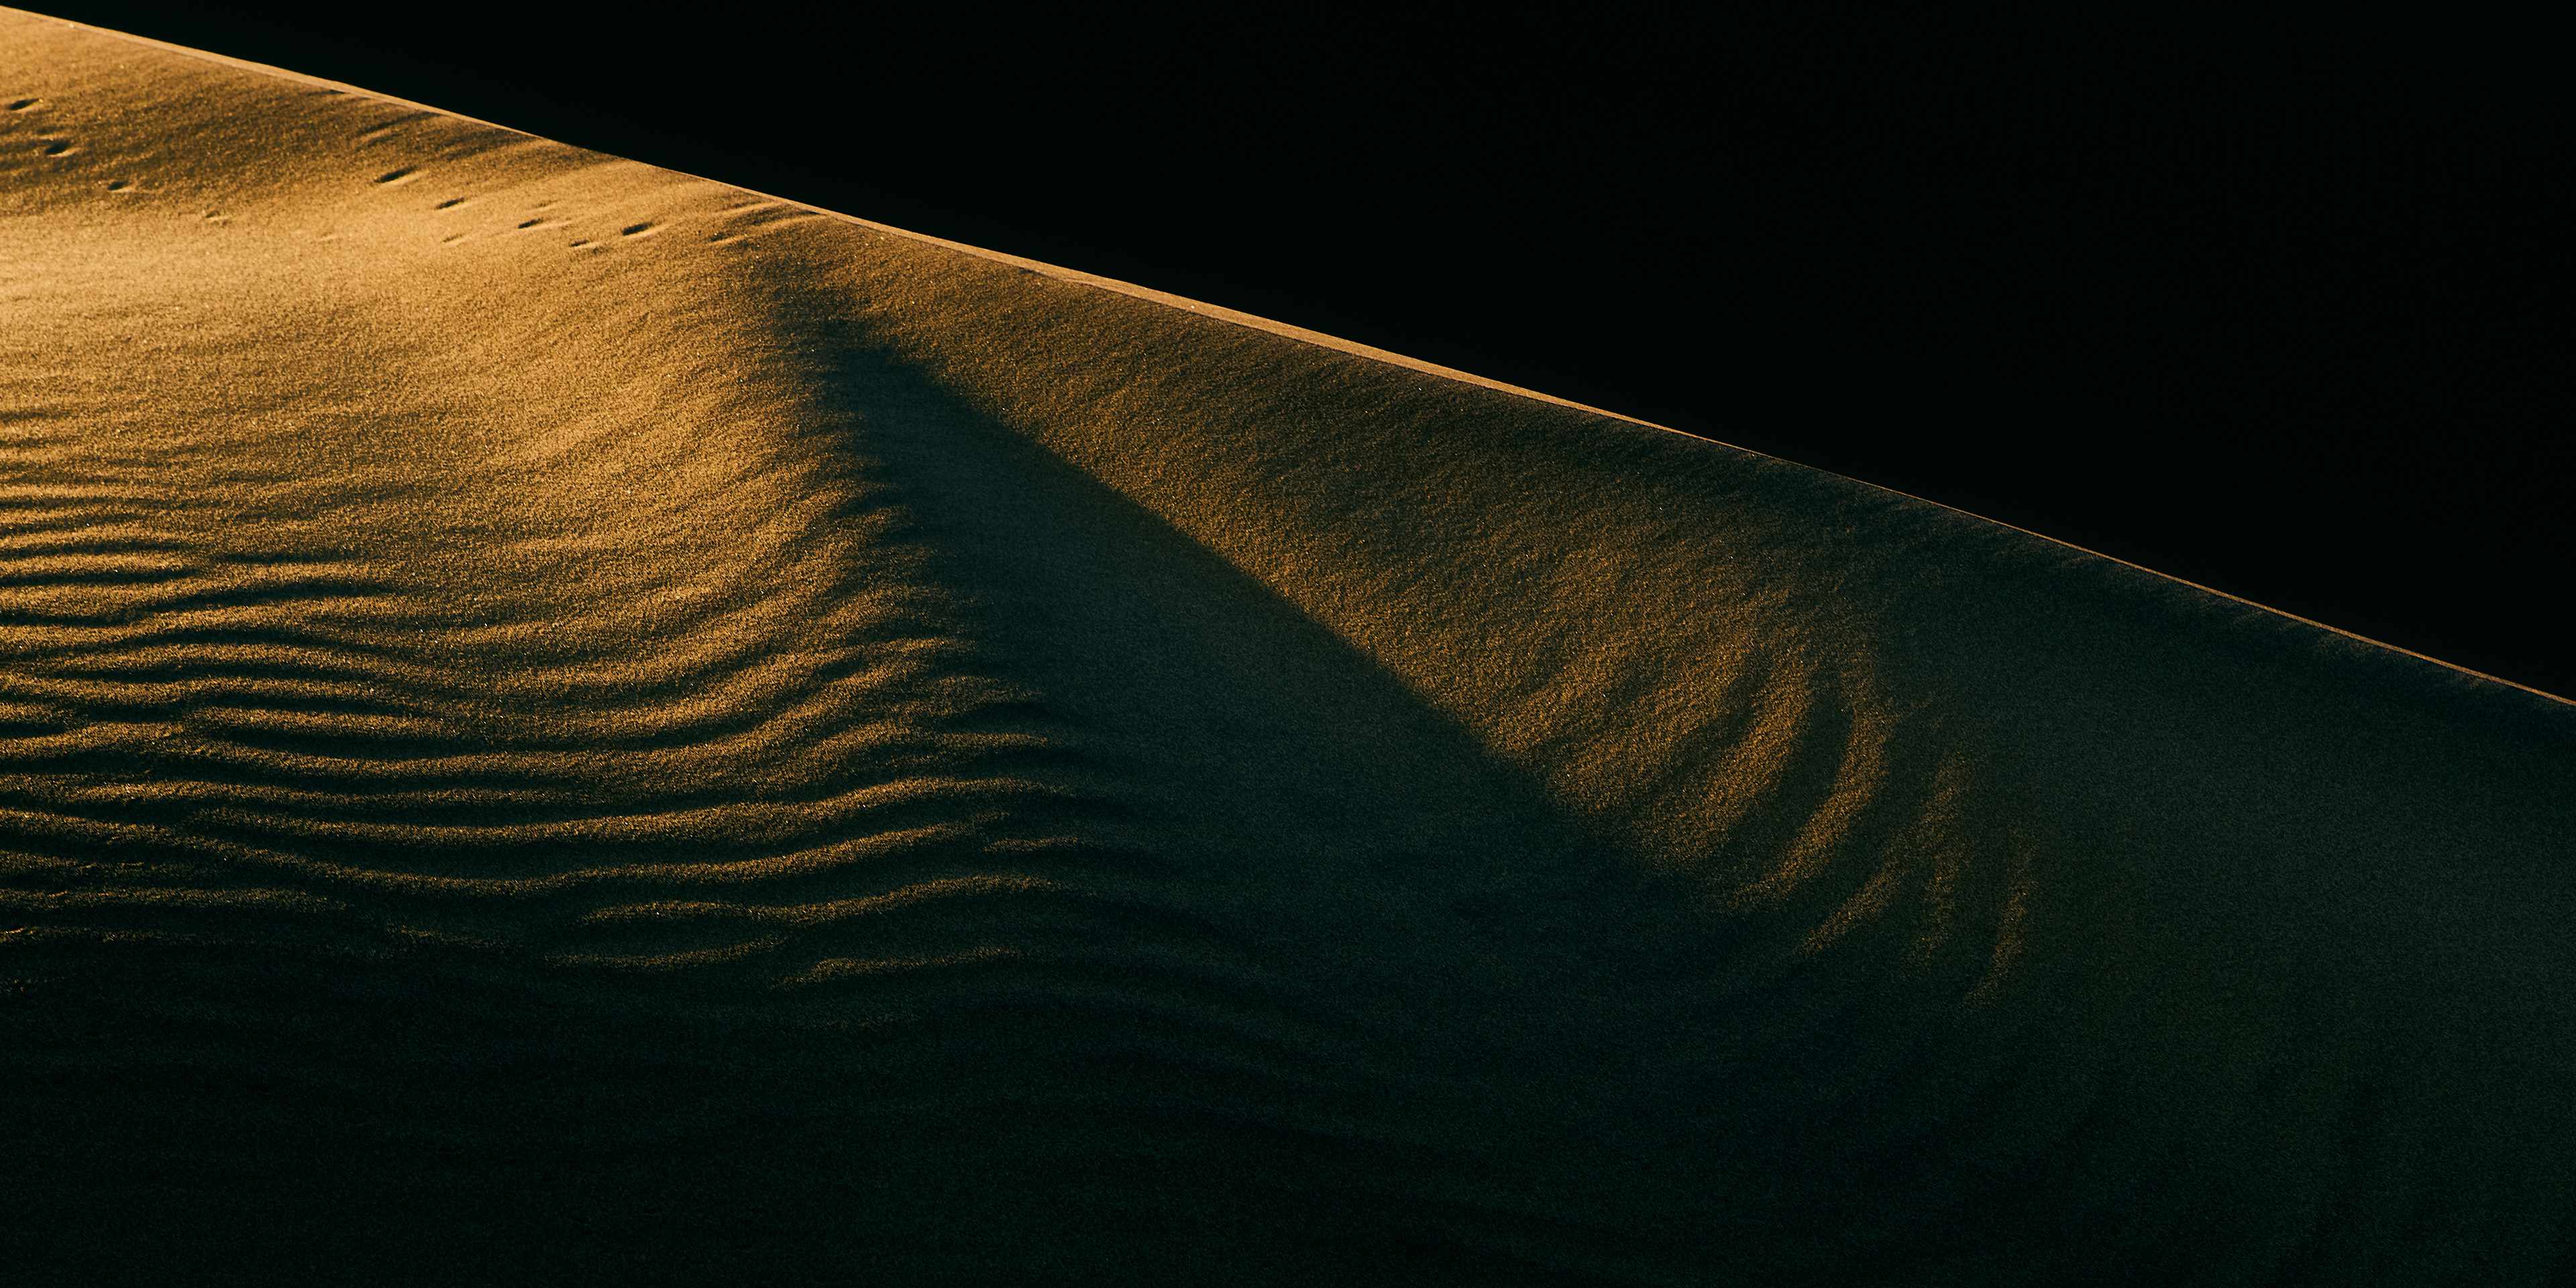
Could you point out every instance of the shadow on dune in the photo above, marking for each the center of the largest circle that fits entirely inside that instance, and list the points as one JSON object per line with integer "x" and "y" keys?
{"x": 1334, "y": 983}
{"x": 1185, "y": 940}
{"x": 2255, "y": 879}
{"x": 1396, "y": 1006}
{"x": 1488, "y": 1041}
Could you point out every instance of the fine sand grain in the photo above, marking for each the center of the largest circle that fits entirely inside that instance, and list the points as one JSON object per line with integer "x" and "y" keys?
{"x": 560, "y": 720}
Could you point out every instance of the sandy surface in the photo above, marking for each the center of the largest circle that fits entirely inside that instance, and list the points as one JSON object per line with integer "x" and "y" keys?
{"x": 563, "y": 719}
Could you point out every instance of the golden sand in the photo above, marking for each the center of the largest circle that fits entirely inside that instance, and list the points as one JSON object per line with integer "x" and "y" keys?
{"x": 565, "y": 719}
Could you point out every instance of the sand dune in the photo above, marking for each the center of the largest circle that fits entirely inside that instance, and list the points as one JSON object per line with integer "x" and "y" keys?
{"x": 568, "y": 720}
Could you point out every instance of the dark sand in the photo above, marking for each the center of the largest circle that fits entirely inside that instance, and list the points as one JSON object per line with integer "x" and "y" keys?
{"x": 564, "y": 721}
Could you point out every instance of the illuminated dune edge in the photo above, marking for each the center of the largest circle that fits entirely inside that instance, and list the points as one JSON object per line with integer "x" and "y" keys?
{"x": 558, "y": 718}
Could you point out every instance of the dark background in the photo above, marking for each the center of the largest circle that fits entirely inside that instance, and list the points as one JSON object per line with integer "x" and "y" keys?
{"x": 2278, "y": 310}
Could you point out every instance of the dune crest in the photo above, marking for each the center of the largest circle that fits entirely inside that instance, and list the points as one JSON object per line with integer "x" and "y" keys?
{"x": 558, "y": 717}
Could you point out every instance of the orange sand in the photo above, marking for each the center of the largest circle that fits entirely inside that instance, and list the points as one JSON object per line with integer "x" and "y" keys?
{"x": 559, "y": 719}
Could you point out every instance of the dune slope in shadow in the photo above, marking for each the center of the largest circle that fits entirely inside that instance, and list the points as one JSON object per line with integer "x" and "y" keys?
{"x": 561, "y": 719}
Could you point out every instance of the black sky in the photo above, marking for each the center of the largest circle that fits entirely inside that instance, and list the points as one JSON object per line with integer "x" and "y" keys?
{"x": 2277, "y": 310}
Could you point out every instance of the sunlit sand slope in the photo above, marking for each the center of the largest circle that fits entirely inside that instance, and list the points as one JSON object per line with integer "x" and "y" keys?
{"x": 560, "y": 718}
